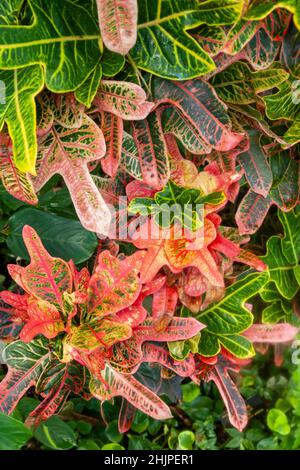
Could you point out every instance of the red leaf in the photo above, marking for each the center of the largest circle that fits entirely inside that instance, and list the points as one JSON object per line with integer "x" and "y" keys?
{"x": 44, "y": 319}
{"x": 46, "y": 278}
{"x": 115, "y": 284}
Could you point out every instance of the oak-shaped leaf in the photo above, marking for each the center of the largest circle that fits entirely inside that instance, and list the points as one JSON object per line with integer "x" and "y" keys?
{"x": 282, "y": 257}
{"x": 45, "y": 278}
{"x": 44, "y": 319}
{"x": 68, "y": 152}
{"x": 164, "y": 46}
{"x": 115, "y": 283}
{"x": 228, "y": 318}
{"x": 63, "y": 37}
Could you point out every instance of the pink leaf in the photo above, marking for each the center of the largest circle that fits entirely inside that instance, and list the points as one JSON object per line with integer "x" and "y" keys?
{"x": 17, "y": 183}
{"x": 115, "y": 284}
{"x": 118, "y": 24}
{"x": 112, "y": 127}
{"x": 278, "y": 333}
{"x": 156, "y": 354}
{"x": 68, "y": 153}
{"x": 233, "y": 401}
{"x": 125, "y": 100}
{"x": 46, "y": 278}
{"x": 128, "y": 387}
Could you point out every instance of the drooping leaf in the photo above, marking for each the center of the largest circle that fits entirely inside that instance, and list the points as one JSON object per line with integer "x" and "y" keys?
{"x": 152, "y": 151}
{"x": 256, "y": 167}
{"x": 272, "y": 334}
{"x": 18, "y": 111}
{"x": 235, "y": 405}
{"x": 26, "y": 362}
{"x": 112, "y": 128}
{"x": 118, "y": 24}
{"x": 200, "y": 105}
{"x": 128, "y": 387}
{"x": 18, "y": 184}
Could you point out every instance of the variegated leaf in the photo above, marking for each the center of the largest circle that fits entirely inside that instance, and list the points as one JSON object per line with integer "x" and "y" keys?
{"x": 130, "y": 389}
{"x": 112, "y": 128}
{"x": 45, "y": 278}
{"x": 43, "y": 319}
{"x": 114, "y": 284}
{"x": 18, "y": 184}
{"x": 152, "y": 150}
{"x": 125, "y": 100}
{"x": 118, "y": 24}
{"x": 68, "y": 152}
{"x": 26, "y": 363}
{"x": 199, "y": 104}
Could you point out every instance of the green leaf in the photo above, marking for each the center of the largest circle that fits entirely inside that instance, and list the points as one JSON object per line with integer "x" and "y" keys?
{"x": 13, "y": 434}
{"x": 175, "y": 203}
{"x": 277, "y": 421}
{"x": 55, "y": 434}
{"x": 112, "y": 446}
{"x": 260, "y": 9}
{"x": 237, "y": 345}
{"x": 9, "y": 10}
{"x": 163, "y": 45}
{"x": 256, "y": 166}
{"x": 111, "y": 63}
{"x": 18, "y": 111}
{"x": 238, "y": 84}
{"x": 186, "y": 440}
{"x": 63, "y": 37}
{"x": 87, "y": 91}
{"x": 283, "y": 254}
{"x": 230, "y": 316}
{"x": 80, "y": 243}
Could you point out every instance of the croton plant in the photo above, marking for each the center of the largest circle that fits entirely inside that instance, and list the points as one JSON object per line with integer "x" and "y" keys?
{"x": 174, "y": 126}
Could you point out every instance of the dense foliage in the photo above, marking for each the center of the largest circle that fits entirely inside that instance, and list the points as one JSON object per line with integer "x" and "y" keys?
{"x": 150, "y": 205}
